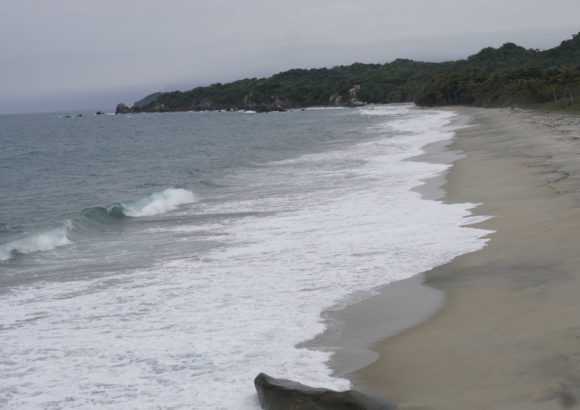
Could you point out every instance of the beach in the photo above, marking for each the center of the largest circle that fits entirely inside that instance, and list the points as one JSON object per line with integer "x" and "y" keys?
{"x": 175, "y": 277}
{"x": 311, "y": 259}
{"x": 508, "y": 333}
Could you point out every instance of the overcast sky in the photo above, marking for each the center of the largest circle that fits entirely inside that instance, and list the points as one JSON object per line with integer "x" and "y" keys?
{"x": 80, "y": 54}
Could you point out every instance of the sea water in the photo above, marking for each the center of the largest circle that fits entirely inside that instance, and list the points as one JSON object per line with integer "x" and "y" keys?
{"x": 161, "y": 261}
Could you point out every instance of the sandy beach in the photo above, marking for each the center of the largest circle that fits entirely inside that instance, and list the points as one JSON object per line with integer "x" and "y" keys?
{"x": 508, "y": 333}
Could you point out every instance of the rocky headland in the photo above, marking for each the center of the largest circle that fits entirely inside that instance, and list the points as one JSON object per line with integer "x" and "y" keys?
{"x": 507, "y": 76}
{"x": 250, "y": 102}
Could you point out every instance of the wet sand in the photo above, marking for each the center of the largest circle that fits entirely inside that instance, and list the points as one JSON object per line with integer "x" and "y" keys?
{"x": 508, "y": 334}
{"x": 355, "y": 329}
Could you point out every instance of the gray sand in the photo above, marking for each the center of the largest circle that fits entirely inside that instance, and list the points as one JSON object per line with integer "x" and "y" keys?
{"x": 508, "y": 335}
{"x": 354, "y": 330}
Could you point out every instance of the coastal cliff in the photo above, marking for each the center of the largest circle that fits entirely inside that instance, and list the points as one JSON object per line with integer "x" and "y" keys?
{"x": 254, "y": 100}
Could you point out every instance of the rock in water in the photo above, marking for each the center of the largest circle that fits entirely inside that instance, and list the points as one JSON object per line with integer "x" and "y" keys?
{"x": 123, "y": 109}
{"x": 281, "y": 394}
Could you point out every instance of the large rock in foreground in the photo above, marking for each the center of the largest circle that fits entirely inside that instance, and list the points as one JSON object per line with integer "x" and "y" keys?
{"x": 281, "y": 394}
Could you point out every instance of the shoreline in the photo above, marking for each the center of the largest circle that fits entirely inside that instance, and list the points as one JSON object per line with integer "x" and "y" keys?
{"x": 353, "y": 331}
{"x": 508, "y": 334}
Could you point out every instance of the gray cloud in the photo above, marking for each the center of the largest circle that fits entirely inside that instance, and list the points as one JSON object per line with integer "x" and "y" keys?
{"x": 66, "y": 54}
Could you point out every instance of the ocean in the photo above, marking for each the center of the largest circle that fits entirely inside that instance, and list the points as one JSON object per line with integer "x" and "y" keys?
{"x": 161, "y": 261}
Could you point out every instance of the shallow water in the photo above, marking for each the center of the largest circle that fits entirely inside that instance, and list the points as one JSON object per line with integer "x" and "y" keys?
{"x": 164, "y": 260}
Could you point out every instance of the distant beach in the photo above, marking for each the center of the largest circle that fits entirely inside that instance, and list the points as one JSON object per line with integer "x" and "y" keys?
{"x": 508, "y": 333}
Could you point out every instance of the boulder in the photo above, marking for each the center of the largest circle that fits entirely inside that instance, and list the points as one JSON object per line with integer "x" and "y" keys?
{"x": 282, "y": 394}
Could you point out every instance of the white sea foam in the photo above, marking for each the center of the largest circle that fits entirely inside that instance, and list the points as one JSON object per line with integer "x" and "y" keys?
{"x": 386, "y": 110}
{"x": 38, "y": 242}
{"x": 159, "y": 202}
{"x": 325, "y": 108}
{"x": 193, "y": 332}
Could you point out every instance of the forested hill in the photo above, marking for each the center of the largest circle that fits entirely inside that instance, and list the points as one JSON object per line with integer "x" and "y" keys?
{"x": 509, "y": 75}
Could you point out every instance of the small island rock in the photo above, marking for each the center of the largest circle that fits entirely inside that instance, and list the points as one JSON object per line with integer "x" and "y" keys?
{"x": 123, "y": 109}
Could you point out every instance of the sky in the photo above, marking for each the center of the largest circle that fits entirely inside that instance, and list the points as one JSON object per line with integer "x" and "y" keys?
{"x": 76, "y": 55}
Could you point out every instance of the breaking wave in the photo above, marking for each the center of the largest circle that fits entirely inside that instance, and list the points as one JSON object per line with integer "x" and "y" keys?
{"x": 159, "y": 203}
{"x": 154, "y": 204}
{"x": 43, "y": 241}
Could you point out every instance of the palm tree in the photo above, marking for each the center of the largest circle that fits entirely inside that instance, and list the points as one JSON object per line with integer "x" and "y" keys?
{"x": 553, "y": 78}
{"x": 569, "y": 78}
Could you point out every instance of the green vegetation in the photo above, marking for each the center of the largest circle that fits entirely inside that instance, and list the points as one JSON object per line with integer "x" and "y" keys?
{"x": 506, "y": 76}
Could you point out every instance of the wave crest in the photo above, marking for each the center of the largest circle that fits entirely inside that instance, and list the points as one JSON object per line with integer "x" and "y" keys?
{"x": 43, "y": 241}
{"x": 159, "y": 203}
{"x": 154, "y": 204}
{"x": 101, "y": 214}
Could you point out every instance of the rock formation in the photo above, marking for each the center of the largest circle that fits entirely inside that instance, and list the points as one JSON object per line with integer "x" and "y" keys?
{"x": 335, "y": 100}
{"x": 281, "y": 394}
{"x": 123, "y": 109}
{"x": 275, "y": 103}
{"x": 351, "y": 100}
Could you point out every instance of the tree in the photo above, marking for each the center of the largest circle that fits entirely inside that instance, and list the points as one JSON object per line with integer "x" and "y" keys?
{"x": 553, "y": 78}
{"x": 569, "y": 78}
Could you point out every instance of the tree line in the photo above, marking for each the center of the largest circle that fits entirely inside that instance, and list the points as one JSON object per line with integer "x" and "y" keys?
{"x": 494, "y": 77}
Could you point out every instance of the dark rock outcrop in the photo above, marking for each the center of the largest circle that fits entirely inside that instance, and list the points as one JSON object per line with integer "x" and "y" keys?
{"x": 274, "y": 103}
{"x": 123, "y": 109}
{"x": 281, "y": 394}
